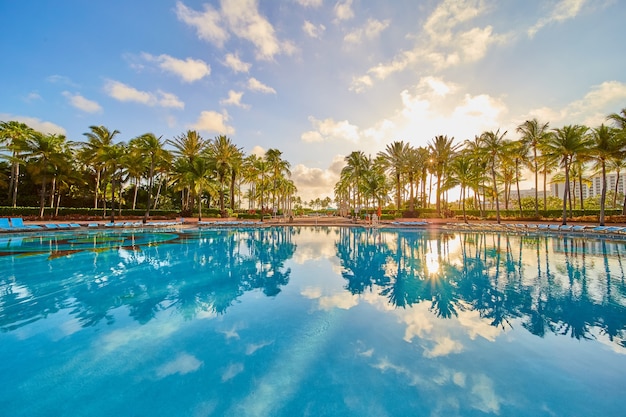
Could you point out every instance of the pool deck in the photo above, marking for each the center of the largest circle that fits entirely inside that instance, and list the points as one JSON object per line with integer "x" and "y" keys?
{"x": 448, "y": 224}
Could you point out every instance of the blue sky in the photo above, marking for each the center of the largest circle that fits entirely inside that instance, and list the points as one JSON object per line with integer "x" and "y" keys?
{"x": 316, "y": 79}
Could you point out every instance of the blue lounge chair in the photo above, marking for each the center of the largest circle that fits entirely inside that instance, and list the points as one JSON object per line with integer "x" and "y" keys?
{"x": 18, "y": 222}
{"x": 4, "y": 224}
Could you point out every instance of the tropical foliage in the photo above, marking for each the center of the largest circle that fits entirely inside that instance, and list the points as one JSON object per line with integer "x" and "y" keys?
{"x": 189, "y": 172}
{"x": 486, "y": 168}
{"x": 148, "y": 172}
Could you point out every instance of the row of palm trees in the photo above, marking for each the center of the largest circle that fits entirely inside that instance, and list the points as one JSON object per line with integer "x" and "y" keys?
{"x": 210, "y": 170}
{"x": 487, "y": 166}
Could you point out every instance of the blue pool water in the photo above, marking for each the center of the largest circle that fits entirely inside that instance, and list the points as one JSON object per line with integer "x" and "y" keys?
{"x": 311, "y": 322}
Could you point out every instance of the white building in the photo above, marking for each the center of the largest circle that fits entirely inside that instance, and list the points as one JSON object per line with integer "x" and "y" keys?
{"x": 591, "y": 189}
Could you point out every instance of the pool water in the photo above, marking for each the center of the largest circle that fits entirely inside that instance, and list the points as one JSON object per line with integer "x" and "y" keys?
{"x": 311, "y": 321}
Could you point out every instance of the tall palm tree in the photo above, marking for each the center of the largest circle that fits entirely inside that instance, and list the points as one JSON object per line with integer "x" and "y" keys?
{"x": 352, "y": 173}
{"x": 153, "y": 148}
{"x": 533, "y": 134}
{"x": 277, "y": 167}
{"x": 604, "y": 146}
{"x": 442, "y": 149}
{"x": 463, "y": 169}
{"x": 13, "y": 136}
{"x": 187, "y": 146}
{"x": 114, "y": 157}
{"x": 224, "y": 156}
{"x": 394, "y": 160}
{"x": 44, "y": 153}
{"x": 99, "y": 138}
{"x": 494, "y": 145}
{"x": 565, "y": 144}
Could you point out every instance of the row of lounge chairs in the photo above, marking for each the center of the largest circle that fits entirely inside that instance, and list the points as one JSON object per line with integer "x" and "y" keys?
{"x": 229, "y": 223}
{"x": 411, "y": 223}
{"x": 531, "y": 227}
{"x": 16, "y": 224}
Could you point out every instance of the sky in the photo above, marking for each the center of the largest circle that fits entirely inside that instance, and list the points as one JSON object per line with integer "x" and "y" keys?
{"x": 316, "y": 79}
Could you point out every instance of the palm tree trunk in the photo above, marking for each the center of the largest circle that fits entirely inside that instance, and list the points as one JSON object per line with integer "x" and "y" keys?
{"x": 15, "y": 181}
{"x": 495, "y": 190}
{"x": 42, "y": 197}
{"x": 536, "y": 182}
{"x": 565, "y": 193}
{"x": 603, "y": 195}
{"x": 580, "y": 188}
{"x": 95, "y": 198}
{"x": 156, "y": 199}
{"x": 135, "y": 196}
{"x": 52, "y": 192}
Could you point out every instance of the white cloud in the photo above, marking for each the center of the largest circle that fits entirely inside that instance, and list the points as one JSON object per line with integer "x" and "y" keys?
{"x": 310, "y": 3}
{"x": 343, "y": 10}
{"x": 234, "y": 99}
{"x": 359, "y": 84}
{"x": 258, "y": 86}
{"x": 245, "y": 21}
{"x": 444, "y": 346}
{"x": 214, "y": 122}
{"x": 371, "y": 30}
{"x": 258, "y": 151}
{"x": 562, "y": 10}
{"x": 444, "y": 41}
{"x": 164, "y": 99}
{"x": 81, "y": 103}
{"x": 591, "y": 110}
{"x": 434, "y": 107}
{"x": 329, "y": 129}
{"x": 123, "y": 92}
{"x": 317, "y": 182}
{"x": 61, "y": 79}
{"x": 32, "y": 96}
{"x": 208, "y": 24}
{"x": 233, "y": 62}
{"x": 34, "y": 123}
{"x": 312, "y": 30}
{"x": 188, "y": 70}
{"x": 183, "y": 364}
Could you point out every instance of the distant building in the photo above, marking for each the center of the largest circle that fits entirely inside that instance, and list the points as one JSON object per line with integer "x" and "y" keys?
{"x": 527, "y": 193}
{"x": 592, "y": 189}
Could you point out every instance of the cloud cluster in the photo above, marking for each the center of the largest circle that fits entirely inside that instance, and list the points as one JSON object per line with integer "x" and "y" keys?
{"x": 239, "y": 18}
{"x": 189, "y": 70}
{"x": 123, "y": 92}
{"x": 81, "y": 103}
{"x": 561, "y": 11}
{"x": 447, "y": 39}
{"x": 214, "y": 122}
{"x": 370, "y": 30}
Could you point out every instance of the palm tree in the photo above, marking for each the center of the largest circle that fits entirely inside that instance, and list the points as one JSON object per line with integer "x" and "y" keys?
{"x": 352, "y": 173}
{"x": 15, "y": 135}
{"x": 152, "y": 148}
{"x": 533, "y": 134}
{"x": 187, "y": 146}
{"x": 277, "y": 167}
{"x": 603, "y": 148}
{"x": 494, "y": 145}
{"x": 44, "y": 153}
{"x": 462, "y": 167}
{"x": 224, "y": 156}
{"x": 94, "y": 153}
{"x": 394, "y": 160}
{"x": 442, "y": 149}
{"x": 564, "y": 144}
{"x": 114, "y": 156}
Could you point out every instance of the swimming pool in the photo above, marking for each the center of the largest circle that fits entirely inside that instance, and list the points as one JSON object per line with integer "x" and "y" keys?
{"x": 311, "y": 321}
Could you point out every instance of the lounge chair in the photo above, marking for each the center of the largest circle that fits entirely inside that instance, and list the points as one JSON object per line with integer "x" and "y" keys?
{"x": 18, "y": 222}
{"x": 5, "y": 225}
